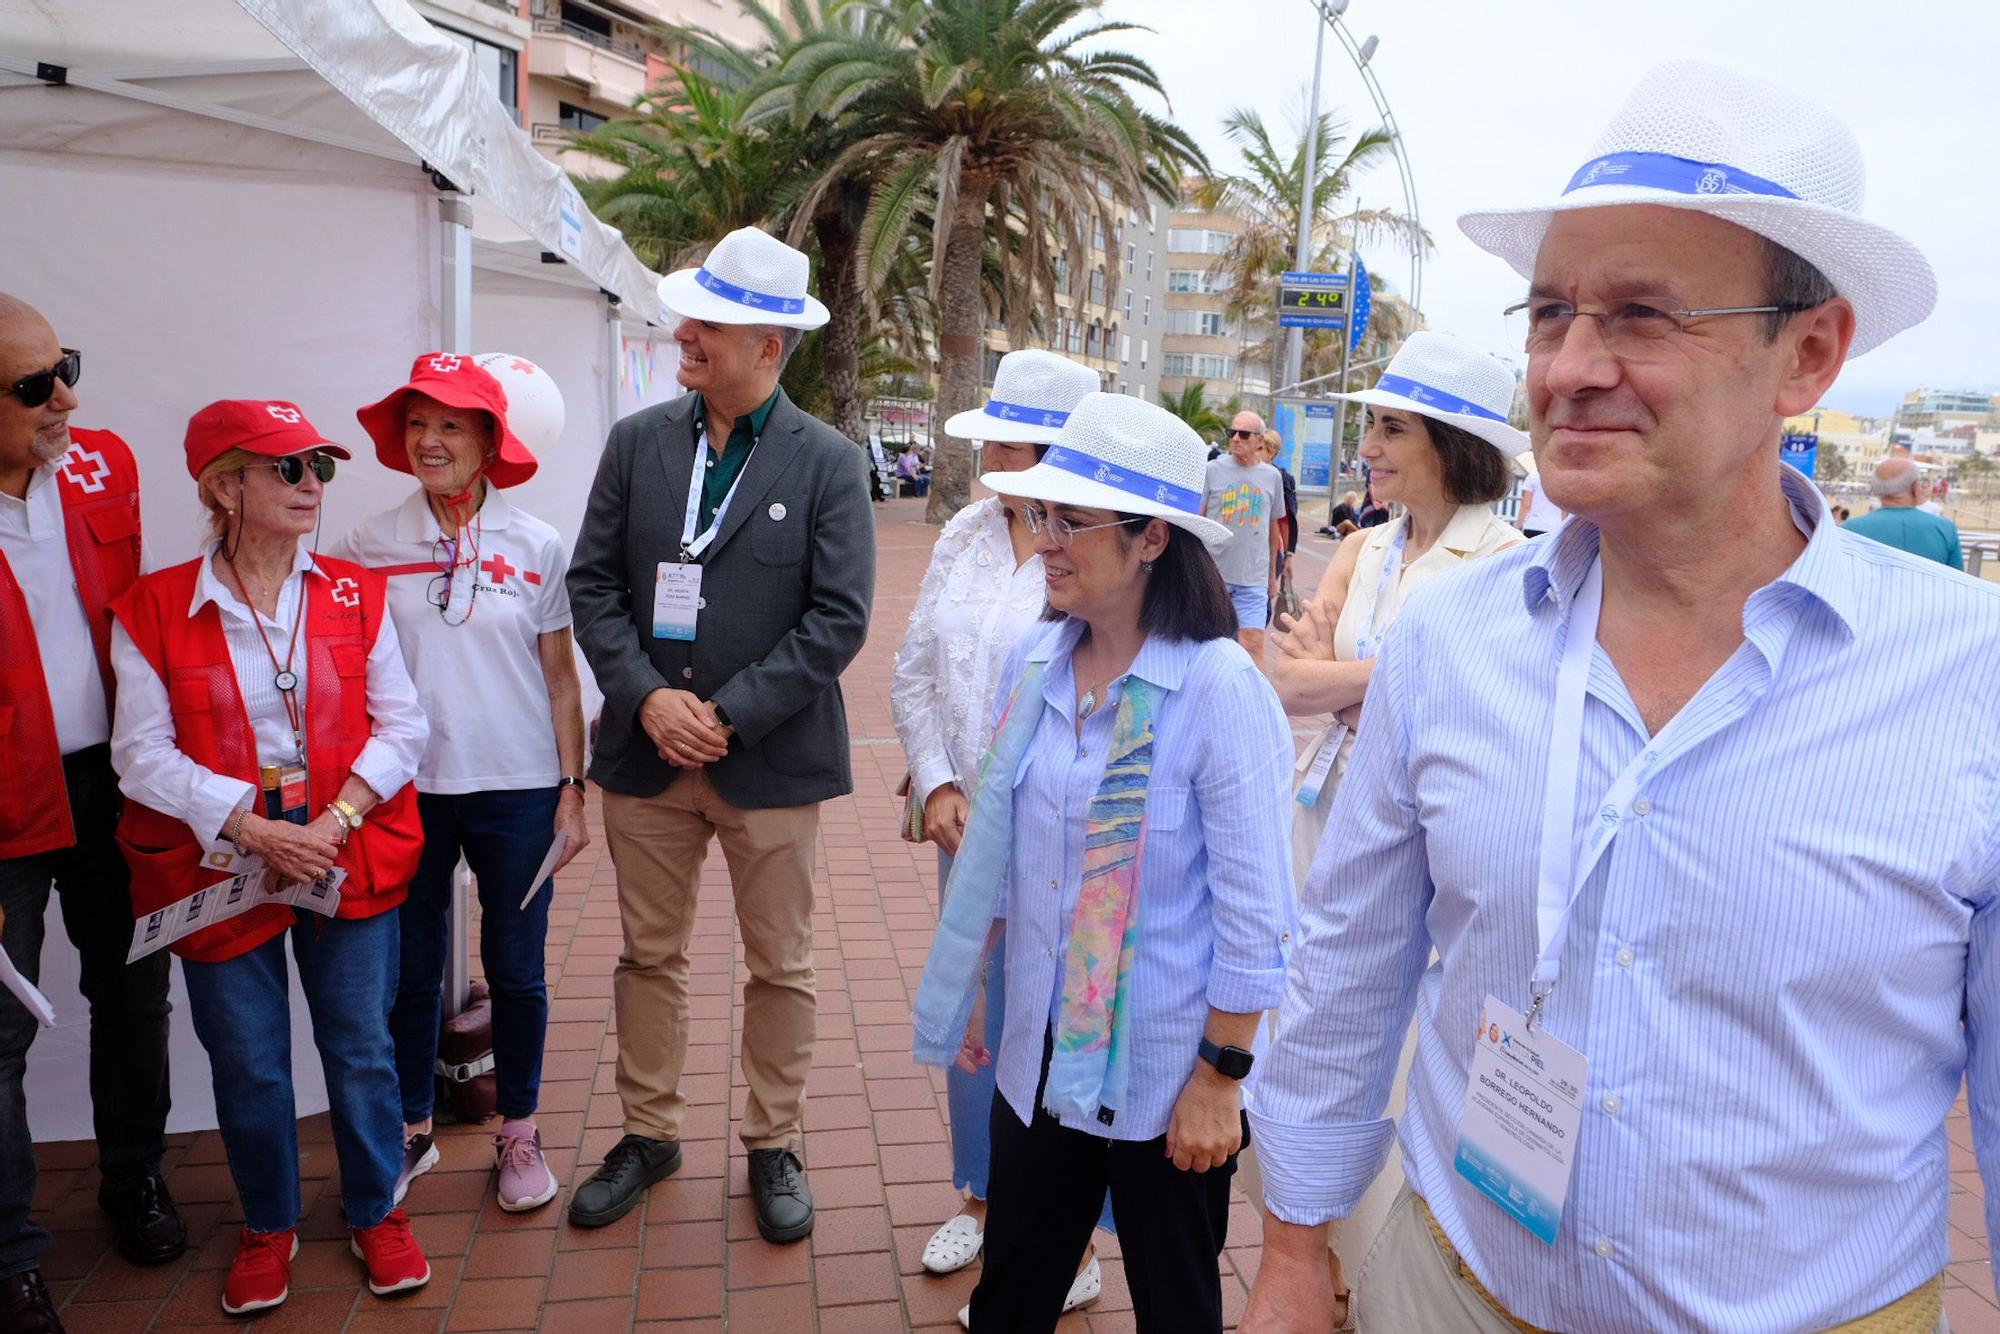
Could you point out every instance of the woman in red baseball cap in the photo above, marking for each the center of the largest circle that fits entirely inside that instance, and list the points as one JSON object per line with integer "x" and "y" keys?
{"x": 476, "y": 588}
{"x": 266, "y": 735}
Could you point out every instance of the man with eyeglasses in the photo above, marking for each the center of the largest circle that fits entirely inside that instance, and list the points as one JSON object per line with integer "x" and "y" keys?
{"x": 1701, "y": 1002}
{"x": 1245, "y": 495}
{"x": 69, "y": 544}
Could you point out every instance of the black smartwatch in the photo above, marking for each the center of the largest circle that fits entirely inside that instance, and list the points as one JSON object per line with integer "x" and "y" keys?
{"x": 570, "y": 780}
{"x": 1229, "y": 1062}
{"x": 720, "y": 716}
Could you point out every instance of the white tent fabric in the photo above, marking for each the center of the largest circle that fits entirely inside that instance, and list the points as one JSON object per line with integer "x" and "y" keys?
{"x": 221, "y": 199}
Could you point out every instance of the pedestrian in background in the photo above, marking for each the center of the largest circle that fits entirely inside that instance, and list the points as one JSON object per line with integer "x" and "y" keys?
{"x": 1901, "y": 521}
{"x": 1243, "y": 493}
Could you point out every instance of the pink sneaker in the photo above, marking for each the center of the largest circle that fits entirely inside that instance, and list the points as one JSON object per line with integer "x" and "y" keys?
{"x": 525, "y": 1180}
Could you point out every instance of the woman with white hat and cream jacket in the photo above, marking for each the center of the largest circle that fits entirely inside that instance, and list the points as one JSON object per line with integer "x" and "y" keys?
{"x": 1128, "y": 830}
{"x": 982, "y": 592}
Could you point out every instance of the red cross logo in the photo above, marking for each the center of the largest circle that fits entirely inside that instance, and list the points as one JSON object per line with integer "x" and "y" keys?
{"x": 86, "y": 468}
{"x": 525, "y": 367}
{"x": 347, "y": 592}
{"x": 496, "y": 566}
{"x": 446, "y": 362}
{"x": 290, "y": 416}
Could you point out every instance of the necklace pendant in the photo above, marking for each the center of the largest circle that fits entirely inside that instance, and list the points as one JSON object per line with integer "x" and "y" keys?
{"x": 1087, "y": 705}
{"x": 286, "y": 681}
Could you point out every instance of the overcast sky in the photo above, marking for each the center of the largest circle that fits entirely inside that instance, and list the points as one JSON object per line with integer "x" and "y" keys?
{"x": 1500, "y": 100}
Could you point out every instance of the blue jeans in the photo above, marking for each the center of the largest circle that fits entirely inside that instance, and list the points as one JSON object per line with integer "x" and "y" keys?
{"x": 970, "y": 1097}
{"x": 242, "y": 1014}
{"x": 1252, "y": 603}
{"x": 504, "y": 836}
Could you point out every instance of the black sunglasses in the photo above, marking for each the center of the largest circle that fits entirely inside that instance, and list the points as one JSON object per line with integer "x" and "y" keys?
{"x": 292, "y": 468}
{"x": 1245, "y": 435}
{"x": 35, "y": 390}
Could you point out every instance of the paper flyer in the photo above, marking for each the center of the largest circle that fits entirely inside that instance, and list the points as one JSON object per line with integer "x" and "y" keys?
{"x": 546, "y": 869}
{"x": 29, "y": 995}
{"x": 231, "y": 898}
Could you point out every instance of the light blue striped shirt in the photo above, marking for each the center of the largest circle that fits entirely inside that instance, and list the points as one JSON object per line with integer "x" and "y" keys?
{"x": 1767, "y": 970}
{"x": 1215, "y": 886}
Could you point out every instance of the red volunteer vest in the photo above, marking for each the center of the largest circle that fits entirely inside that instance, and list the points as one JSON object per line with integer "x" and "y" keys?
{"x": 343, "y": 613}
{"x": 99, "y": 486}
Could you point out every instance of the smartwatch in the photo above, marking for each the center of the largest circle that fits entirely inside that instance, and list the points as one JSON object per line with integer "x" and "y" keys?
{"x": 720, "y": 716}
{"x": 1229, "y": 1062}
{"x": 570, "y": 780}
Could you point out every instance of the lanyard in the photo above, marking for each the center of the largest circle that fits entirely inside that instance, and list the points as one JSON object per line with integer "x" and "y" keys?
{"x": 691, "y": 545}
{"x": 1370, "y": 641}
{"x": 285, "y": 681}
{"x": 1563, "y": 871}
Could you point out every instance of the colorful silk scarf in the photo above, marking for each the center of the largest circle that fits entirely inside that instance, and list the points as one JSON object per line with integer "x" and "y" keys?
{"x": 1088, "y": 1071}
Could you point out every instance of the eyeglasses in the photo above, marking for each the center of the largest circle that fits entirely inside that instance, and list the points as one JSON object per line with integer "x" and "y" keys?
{"x": 446, "y": 554}
{"x": 1630, "y": 328}
{"x": 1235, "y": 434}
{"x": 1062, "y": 530}
{"x": 292, "y": 468}
{"x": 35, "y": 390}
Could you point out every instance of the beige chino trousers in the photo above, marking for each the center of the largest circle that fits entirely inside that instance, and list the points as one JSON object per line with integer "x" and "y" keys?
{"x": 658, "y": 845}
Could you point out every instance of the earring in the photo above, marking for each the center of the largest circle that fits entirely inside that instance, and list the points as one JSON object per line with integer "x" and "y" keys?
{"x": 1145, "y": 567}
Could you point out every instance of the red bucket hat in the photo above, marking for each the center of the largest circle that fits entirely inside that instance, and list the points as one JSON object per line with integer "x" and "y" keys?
{"x": 272, "y": 428}
{"x": 456, "y": 381}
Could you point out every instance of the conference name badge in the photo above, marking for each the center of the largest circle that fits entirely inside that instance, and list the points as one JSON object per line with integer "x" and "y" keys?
{"x": 1523, "y": 1108}
{"x": 676, "y": 600}
{"x": 1330, "y": 742}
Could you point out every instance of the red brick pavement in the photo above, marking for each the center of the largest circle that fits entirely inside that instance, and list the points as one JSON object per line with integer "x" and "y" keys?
{"x": 690, "y": 1260}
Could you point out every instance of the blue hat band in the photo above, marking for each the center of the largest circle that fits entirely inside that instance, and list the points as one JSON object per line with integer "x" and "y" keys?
{"x": 743, "y": 296}
{"x": 1419, "y": 392}
{"x": 1676, "y": 175}
{"x": 1015, "y": 412}
{"x": 1122, "y": 479}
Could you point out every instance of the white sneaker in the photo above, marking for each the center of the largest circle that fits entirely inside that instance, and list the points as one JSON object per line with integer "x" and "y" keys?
{"x": 1087, "y": 1288}
{"x": 420, "y": 1155}
{"x": 955, "y": 1245}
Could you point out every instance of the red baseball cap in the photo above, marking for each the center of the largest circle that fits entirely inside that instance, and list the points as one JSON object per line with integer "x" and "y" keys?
{"x": 456, "y": 381}
{"x": 270, "y": 427}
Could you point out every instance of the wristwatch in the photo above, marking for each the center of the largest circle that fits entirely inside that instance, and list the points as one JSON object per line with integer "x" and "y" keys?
{"x": 348, "y": 815}
{"x": 1229, "y": 1062}
{"x": 720, "y": 716}
{"x": 570, "y": 780}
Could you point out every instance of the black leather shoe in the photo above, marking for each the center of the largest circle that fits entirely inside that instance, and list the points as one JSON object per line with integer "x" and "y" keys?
{"x": 784, "y": 1201}
{"x": 149, "y": 1228}
{"x": 633, "y": 1165}
{"x": 25, "y": 1307}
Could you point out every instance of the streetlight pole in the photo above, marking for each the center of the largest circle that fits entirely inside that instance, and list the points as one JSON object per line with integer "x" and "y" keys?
{"x": 1295, "y": 342}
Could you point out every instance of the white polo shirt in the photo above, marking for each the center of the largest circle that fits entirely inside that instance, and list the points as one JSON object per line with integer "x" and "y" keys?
{"x": 34, "y": 538}
{"x": 481, "y": 682}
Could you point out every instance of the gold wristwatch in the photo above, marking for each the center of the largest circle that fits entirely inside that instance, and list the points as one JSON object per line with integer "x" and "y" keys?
{"x": 348, "y": 815}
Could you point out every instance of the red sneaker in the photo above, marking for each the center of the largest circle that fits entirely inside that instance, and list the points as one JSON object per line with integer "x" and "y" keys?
{"x": 395, "y": 1262}
{"x": 260, "y": 1276}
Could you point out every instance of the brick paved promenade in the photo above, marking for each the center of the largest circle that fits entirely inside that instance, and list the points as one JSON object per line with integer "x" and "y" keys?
{"x": 690, "y": 1261}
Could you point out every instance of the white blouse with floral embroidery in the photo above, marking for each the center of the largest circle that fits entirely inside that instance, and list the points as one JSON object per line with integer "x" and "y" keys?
{"x": 975, "y": 603}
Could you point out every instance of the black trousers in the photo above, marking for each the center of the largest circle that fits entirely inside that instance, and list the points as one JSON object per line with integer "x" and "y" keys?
{"x": 1047, "y": 1188}
{"x": 128, "y": 1004}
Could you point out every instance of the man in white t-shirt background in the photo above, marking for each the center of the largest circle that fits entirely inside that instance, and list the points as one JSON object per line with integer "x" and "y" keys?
{"x": 1246, "y": 496}
{"x": 1537, "y": 514}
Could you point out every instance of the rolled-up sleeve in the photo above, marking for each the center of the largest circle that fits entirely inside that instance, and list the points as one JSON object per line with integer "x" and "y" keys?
{"x": 1316, "y": 1098}
{"x": 1245, "y": 797}
{"x": 399, "y": 728}
{"x": 145, "y": 750}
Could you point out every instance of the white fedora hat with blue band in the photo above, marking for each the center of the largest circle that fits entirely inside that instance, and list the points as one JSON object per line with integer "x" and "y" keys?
{"x": 1121, "y": 453}
{"x": 1446, "y": 379}
{"x": 1033, "y": 393}
{"x": 1693, "y": 136}
{"x": 751, "y": 277}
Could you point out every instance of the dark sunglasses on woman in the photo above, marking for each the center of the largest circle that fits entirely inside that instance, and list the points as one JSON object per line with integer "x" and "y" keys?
{"x": 292, "y": 468}
{"x": 35, "y": 390}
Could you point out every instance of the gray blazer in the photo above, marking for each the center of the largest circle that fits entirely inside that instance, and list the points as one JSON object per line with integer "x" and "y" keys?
{"x": 786, "y": 588}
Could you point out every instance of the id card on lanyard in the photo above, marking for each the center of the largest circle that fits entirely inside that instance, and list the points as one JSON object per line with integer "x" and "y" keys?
{"x": 1366, "y": 646}
{"x": 1524, "y": 1099}
{"x": 677, "y": 600}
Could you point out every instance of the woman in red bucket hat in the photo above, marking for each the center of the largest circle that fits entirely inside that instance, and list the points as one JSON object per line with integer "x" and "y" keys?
{"x": 476, "y": 588}
{"x": 267, "y": 728}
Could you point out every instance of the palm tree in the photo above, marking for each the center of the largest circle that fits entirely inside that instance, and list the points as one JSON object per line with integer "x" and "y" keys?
{"x": 1191, "y": 406}
{"x": 987, "y": 117}
{"x": 1267, "y": 195}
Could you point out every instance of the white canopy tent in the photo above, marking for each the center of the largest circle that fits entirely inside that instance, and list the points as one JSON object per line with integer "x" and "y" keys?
{"x": 289, "y": 199}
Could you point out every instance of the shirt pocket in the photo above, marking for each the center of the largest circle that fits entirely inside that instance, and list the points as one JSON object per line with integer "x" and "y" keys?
{"x": 110, "y": 526}
{"x": 350, "y": 660}
{"x": 188, "y": 691}
{"x": 1166, "y": 808}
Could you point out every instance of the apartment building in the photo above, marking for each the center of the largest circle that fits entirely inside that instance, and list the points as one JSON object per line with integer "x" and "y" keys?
{"x": 1199, "y": 341}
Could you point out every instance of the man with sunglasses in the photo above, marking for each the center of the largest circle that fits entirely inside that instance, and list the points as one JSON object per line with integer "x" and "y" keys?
{"x": 1693, "y": 1004}
{"x": 69, "y": 545}
{"x": 1246, "y": 495}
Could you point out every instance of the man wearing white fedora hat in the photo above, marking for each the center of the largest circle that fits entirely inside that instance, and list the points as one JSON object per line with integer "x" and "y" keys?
{"x": 721, "y": 584}
{"x": 1701, "y": 1003}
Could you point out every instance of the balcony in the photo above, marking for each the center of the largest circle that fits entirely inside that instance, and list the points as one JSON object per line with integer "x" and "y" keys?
{"x": 609, "y": 71}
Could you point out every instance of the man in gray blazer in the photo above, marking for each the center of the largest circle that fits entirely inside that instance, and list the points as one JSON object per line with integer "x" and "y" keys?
{"x": 721, "y": 583}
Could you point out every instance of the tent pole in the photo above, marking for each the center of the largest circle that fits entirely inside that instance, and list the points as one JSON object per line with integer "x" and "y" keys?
{"x": 455, "y": 271}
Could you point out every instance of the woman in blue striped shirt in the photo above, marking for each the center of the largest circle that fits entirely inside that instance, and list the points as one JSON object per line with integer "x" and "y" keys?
{"x": 1129, "y": 828}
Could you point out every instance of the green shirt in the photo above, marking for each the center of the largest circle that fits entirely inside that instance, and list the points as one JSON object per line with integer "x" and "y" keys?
{"x": 726, "y": 467}
{"x": 1910, "y": 529}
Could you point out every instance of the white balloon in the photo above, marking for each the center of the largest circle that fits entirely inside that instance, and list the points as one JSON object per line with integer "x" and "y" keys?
{"x": 534, "y": 403}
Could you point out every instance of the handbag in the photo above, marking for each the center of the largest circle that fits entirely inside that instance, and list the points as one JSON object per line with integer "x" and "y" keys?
{"x": 913, "y": 812}
{"x": 465, "y": 1060}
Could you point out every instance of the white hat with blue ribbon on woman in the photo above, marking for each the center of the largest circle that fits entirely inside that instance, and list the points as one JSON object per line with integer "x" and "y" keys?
{"x": 1033, "y": 393}
{"x": 1120, "y": 453}
{"x": 1447, "y": 379}
{"x": 1694, "y": 136}
{"x": 751, "y": 277}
